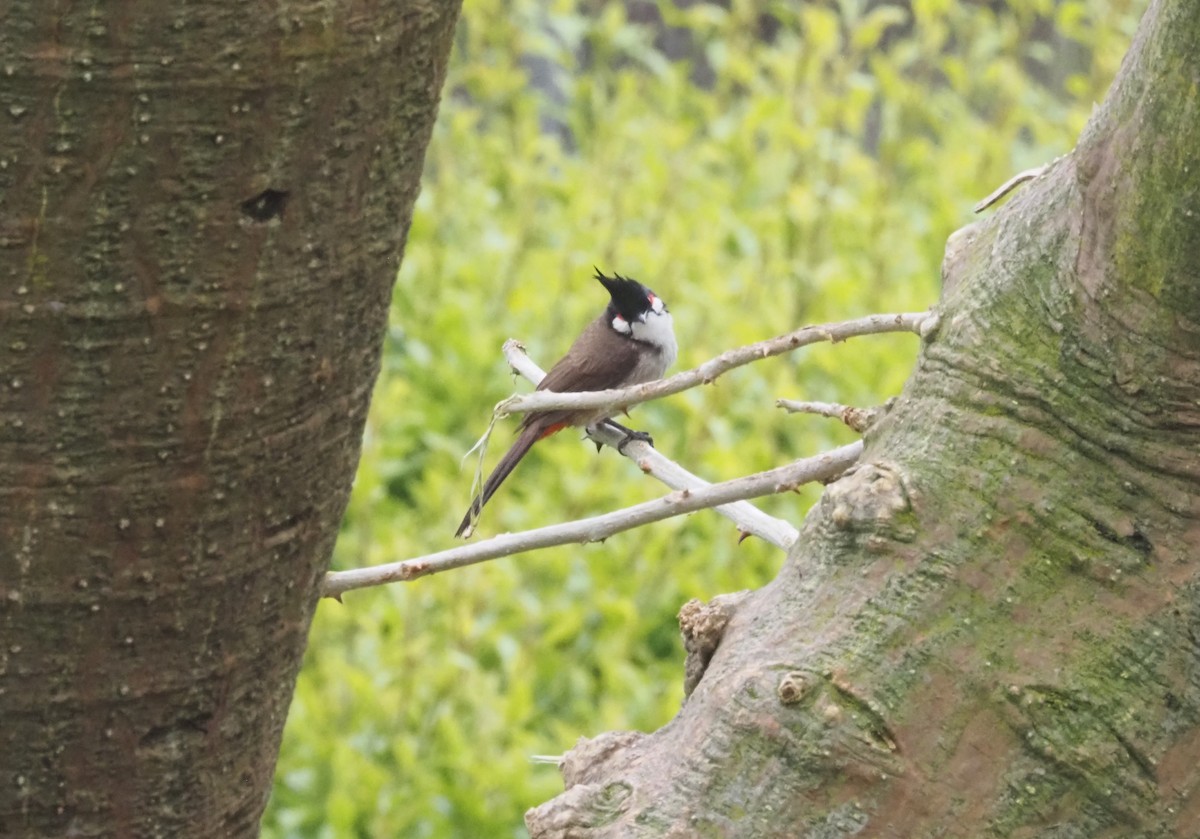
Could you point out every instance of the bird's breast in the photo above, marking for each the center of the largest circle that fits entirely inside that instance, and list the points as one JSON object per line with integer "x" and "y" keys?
{"x": 657, "y": 334}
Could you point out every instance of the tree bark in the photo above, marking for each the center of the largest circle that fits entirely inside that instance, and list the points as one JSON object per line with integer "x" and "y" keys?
{"x": 202, "y": 209}
{"x": 990, "y": 626}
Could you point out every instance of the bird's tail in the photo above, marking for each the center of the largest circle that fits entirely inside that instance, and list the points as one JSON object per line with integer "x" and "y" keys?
{"x": 529, "y": 435}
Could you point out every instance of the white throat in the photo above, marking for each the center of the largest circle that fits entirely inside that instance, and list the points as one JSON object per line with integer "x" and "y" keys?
{"x": 658, "y": 330}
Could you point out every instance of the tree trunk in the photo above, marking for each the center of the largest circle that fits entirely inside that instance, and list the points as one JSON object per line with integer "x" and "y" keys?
{"x": 991, "y": 626}
{"x": 202, "y": 209}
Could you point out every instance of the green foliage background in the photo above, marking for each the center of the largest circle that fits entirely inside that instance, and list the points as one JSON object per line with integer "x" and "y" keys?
{"x": 815, "y": 179}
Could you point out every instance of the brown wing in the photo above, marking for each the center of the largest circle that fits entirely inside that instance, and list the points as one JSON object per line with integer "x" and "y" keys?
{"x": 598, "y": 360}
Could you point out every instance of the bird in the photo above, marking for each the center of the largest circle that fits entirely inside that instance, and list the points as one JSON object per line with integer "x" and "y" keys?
{"x": 632, "y": 341}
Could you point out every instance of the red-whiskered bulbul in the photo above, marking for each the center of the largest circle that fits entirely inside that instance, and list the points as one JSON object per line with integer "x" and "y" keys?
{"x": 631, "y": 342}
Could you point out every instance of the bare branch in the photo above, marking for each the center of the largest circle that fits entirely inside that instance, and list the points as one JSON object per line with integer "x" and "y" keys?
{"x": 706, "y": 373}
{"x": 748, "y": 518}
{"x": 521, "y": 363}
{"x": 1014, "y": 182}
{"x": 859, "y": 419}
{"x": 823, "y": 467}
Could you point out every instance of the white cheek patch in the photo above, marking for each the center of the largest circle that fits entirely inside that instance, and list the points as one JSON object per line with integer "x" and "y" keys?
{"x": 620, "y": 325}
{"x": 656, "y": 305}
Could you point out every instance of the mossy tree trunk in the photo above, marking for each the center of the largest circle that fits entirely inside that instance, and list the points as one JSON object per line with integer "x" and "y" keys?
{"x": 202, "y": 209}
{"x": 991, "y": 627}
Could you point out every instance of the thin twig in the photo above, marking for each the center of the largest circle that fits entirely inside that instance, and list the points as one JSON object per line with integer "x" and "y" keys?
{"x": 481, "y": 446}
{"x": 782, "y": 479}
{"x": 706, "y": 373}
{"x": 1014, "y": 182}
{"x": 858, "y": 419}
{"x": 748, "y": 518}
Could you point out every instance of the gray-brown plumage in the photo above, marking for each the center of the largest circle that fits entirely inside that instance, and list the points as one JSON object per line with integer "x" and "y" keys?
{"x": 631, "y": 342}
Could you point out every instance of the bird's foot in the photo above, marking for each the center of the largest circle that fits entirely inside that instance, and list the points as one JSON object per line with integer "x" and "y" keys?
{"x": 631, "y": 435}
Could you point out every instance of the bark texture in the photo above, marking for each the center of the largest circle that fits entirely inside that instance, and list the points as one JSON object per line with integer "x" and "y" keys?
{"x": 202, "y": 209}
{"x": 991, "y": 626}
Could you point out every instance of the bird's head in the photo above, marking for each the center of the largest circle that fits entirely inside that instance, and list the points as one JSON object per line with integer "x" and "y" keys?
{"x": 632, "y": 302}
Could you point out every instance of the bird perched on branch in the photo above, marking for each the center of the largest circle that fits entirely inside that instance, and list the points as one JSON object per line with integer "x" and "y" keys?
{"x": 632, "y": 341}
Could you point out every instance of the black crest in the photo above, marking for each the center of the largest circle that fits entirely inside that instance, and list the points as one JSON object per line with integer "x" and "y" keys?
{"x": 630, "y": 298}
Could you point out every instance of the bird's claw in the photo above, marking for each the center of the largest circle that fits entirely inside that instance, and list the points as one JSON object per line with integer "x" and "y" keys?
{"x": 630, "y": 436}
